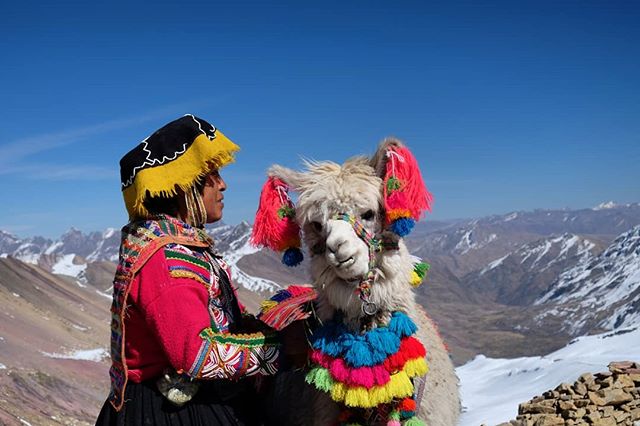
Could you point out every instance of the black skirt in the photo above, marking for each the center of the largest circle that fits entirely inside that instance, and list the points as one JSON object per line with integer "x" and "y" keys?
{"x": 215, "y": 403}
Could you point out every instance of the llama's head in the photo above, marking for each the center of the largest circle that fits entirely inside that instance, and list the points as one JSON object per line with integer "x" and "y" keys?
{"x": 328, "y": 196}
{"x": 348, "y": 213}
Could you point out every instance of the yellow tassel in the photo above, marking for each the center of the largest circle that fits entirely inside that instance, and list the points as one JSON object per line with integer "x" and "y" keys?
{"x": 357, "y": 397}
{"x": 415, "y": 279}
{"x": 182, "y": 172}
{"x": 416, "y": 367}
{"x": 399, "y": 386}
{"x": 338, "y": 392}
{"x": 267, "y": 305}
{"x": 398, "y": 213}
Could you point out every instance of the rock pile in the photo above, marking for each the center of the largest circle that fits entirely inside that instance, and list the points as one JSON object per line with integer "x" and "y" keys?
{"x": 605, "y": 399}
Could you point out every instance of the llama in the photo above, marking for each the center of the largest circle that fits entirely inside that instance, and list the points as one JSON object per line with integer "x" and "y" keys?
{"x": 361, "y": 270}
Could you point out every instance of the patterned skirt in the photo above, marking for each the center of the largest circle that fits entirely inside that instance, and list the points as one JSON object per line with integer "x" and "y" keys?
{"x": 214, "y": 404}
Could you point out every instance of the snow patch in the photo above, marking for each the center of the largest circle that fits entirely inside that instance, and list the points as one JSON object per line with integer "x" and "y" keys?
{"x": 95, "y": 355}
{"x": 491, "y": 389}
{"x": 604, "y": 206}
{"x": 51, "y": 249}
{"x": 108, "y": 233}
{"x": 510, "y": 217}
{"x": 493, "y": 264}
{"x": 65, "y": 266}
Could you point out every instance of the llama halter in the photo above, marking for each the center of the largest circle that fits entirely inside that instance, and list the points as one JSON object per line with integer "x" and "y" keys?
{"x": 375, "y": 245}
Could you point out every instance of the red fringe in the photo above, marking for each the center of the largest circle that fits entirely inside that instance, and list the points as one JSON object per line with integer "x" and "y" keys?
{"x": 417, "y": 197}
{"x": 410, "y": 348}
{"x": 269, "y": 230}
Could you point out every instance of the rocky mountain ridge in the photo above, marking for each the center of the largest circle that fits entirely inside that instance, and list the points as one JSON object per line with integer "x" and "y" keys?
{"x": 490, "y": 268}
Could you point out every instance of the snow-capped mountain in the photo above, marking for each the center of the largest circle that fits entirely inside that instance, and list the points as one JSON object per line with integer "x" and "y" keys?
{"x": 75, "y": 250}
{"x": 495, "y": 264}
{"x": 520, "y": 277}
{"x": 600, "y": 293}
{"x": 467, "y": 246}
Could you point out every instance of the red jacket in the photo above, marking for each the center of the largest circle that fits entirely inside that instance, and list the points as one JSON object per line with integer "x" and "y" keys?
{"x": 177, "y": 318}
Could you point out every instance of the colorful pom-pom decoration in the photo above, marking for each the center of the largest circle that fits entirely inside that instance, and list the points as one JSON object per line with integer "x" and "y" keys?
{"x": 287, "y": 306}
{"x": 275, "y": 226}
{"x": 419, "y": 273}
{"x": 370, "y": 369}
{"x": 406, "y": 197}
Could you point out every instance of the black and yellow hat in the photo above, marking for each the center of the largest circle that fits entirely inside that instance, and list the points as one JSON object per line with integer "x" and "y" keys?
{"x": 174, "y": 156}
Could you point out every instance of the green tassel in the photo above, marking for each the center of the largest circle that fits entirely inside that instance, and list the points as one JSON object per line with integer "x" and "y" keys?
{"x": 320, "y": 378}
{"x": 413, "y": 421}
{"x": 421, "y": 268}
{"x": 286, "y": 211}
{"x": 393, "y": 184}
{"x": 394, "y": 415}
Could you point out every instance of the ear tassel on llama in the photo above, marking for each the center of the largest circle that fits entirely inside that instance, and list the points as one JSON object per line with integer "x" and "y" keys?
{"x": 405, "y": 195}
{"x": 275, "y": 226}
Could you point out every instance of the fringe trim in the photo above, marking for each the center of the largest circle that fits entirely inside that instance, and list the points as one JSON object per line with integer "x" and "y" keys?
{"x": 164, "y": 180}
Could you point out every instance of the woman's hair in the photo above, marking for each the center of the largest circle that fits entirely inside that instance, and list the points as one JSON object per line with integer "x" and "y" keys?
{"x": 169, "y": 205}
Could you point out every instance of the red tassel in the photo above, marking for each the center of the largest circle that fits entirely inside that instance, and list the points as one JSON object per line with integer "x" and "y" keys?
{"x": 406, "y": 179}
{"x": 275, "y": 226}
{"x": 407, "y": 404}
{"x": 410, "y": 348}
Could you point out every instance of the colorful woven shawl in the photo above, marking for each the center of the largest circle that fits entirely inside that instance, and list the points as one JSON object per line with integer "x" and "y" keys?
{"x": 140, "y": 240}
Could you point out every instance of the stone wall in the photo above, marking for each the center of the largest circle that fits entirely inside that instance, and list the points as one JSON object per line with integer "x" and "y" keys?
{"x": 605, "y": 399}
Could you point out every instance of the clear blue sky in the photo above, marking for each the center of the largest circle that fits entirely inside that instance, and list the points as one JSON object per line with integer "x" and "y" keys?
{"x": 508, "y": 105}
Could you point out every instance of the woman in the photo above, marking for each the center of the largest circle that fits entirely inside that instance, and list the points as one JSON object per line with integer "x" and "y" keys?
{"x": 183, "y": 352}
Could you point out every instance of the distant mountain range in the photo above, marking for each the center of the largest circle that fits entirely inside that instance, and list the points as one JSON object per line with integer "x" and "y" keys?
{"x": 500, "y": 264}
{"x": 519, "y": 284}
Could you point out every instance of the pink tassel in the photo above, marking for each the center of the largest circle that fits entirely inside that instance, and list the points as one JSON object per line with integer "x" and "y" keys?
{"x": 274, "y": 226}
{"x": 340, "y": 371}
{"x": 393, "y": 423}
{"x": 412, "y": 193}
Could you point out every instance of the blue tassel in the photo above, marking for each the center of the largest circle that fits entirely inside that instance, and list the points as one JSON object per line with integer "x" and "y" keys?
{"x": 402, "y": 325}
{"x": 403, "y": 226}
{"x": 359, "y": 354}
{"x": 407, "y": 414}
{"x": 383, "y": 340}
{"x": 292, "y": 256}
{"x": 280, "y": 296}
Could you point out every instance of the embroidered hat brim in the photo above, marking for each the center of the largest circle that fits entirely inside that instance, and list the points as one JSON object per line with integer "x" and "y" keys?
{"x": 173, "y": 157}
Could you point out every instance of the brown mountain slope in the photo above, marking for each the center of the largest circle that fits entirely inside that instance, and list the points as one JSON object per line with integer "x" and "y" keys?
{"x": 42, "y": 317}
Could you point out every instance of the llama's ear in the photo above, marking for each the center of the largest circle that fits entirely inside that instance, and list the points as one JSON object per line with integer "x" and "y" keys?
{"x": 275, "y": 224}
{"x": 379, "y": 159}
{"x": 405, "y": 195}
{"x": 293, "y": 180}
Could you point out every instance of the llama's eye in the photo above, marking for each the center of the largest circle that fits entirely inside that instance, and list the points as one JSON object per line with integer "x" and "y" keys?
{"x": 368, "y": 215}
{"x": 317, "y": 226}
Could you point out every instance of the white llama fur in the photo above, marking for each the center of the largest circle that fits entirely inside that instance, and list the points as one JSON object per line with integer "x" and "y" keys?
{"x": 339, "y": 260}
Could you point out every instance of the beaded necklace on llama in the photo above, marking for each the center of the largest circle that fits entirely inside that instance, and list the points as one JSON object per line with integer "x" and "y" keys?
{"x": 369, "y": 373}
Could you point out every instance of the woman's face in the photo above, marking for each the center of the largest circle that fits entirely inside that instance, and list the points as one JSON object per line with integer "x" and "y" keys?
{"x": 212, "y": 196}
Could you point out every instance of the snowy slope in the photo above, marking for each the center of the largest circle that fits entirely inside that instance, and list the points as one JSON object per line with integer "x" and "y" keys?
{"x": 233, "y": 244}
{"x": 492, "y": 389}
{"x": 603, "y": 292}
{"x": 544, "y": 253}
{"x": 523, "y": 275}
